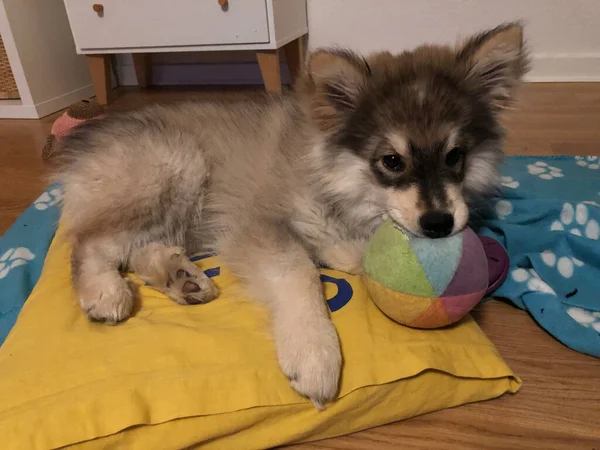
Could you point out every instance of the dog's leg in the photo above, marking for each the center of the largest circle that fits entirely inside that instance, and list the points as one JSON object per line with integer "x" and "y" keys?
{"x": 168, "y": 270}
{"x": 278, "y": 271}
{"x": 307, "y": 343}
{"x": 103, "y": 294}
{"x": 345, "y": 256}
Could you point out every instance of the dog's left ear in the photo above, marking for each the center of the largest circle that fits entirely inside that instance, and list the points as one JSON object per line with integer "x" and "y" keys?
{"x": 497, "y": 62}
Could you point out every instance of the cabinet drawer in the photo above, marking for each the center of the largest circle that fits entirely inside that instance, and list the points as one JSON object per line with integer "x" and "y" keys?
{"x": 157, "y": 23}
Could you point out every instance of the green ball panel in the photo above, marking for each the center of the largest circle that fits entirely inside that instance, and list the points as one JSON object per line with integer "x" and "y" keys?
{"x": 390, "y": 260}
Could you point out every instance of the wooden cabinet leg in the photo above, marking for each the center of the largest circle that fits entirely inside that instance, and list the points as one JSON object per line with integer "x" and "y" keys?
{"x": 268, "y": 61}
{"x": 143, "y": 68}
{"x": 294, "y": 55}
{"x": 101, "y": 77}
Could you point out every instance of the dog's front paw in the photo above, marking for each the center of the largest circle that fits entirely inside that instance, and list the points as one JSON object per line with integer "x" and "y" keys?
{"x": 107, "y": 298}
{"x": 312, "y": 360}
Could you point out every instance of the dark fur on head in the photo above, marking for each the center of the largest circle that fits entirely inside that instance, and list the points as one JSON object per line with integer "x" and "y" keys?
{"x": 434, "y": 109}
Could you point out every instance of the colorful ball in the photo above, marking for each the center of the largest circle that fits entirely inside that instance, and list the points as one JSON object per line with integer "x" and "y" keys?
{"x": 425, "y": 283}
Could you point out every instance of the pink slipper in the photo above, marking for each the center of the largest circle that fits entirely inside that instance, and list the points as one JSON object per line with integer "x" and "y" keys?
{"x": 76, "y": 113}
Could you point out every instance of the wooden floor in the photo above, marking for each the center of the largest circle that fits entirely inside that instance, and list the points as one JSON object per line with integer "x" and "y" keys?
{"x": 559, "y": 404}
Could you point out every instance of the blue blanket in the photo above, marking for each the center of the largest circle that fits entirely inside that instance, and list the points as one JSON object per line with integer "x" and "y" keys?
{"x": 547, "y": 218}
{"x": 22, "y": 252}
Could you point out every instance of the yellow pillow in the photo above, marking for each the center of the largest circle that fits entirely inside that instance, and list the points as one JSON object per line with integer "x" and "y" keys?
{"x": 176, "y": 376}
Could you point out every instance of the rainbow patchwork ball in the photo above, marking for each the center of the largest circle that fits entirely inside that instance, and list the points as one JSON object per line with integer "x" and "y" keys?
{"x": 425, "y": 283}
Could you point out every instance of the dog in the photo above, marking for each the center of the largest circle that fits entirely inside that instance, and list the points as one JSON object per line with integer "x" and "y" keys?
{"x": 277, "y": 187}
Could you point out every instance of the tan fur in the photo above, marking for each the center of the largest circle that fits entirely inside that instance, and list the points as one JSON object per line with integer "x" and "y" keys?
{"x": 457, "y": 207}
{"x": 405, "y": 207}
{"x": 279, "y": 185}
{"x": 399, "y": 144}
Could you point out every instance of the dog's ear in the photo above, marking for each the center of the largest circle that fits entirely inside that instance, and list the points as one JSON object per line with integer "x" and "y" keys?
{"x": 335, "y": 81}
{"x": 497, "y": 61}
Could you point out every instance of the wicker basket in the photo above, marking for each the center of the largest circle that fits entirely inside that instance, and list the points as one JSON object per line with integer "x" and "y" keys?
{"x": 8, "y": 87}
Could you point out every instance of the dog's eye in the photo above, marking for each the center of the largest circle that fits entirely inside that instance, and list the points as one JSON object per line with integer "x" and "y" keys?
{"x": 454, "y": 156}
{"x": 393, "y": 163}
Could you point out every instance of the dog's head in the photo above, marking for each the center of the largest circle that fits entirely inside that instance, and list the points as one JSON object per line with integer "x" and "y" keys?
{"x": 415, "y": 135}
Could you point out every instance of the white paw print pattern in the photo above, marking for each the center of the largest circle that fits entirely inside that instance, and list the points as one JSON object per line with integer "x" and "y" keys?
{"x": 585, "y": 317}
{"x": 576, "y": 220}
{"x": 14, "y": 257}
{"x": 591, "y": 162}
{"x": 48, "y": 199}
{"x": 510, "y": 182}
{"x": 544, "y": 170}
{"x": 533, "y": 280}
{"x": 503, "y": 208}
{"x": 565, "y": 264}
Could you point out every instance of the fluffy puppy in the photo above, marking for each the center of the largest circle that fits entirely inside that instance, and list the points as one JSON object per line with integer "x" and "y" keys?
{"x": 279, "y": 185}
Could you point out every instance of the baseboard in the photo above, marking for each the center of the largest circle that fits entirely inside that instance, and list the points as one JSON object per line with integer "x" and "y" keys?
{"x": 565, "y": 68}
{"x": 201, "y": 74}
{"x": 15, "y": 109}
{"x": 57, "y": 103}
{"x": 545, "y": 68}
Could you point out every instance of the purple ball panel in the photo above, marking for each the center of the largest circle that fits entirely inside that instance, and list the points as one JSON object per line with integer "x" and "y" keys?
{"x": 457, "y": 307}
{"x": 472, "y": 271}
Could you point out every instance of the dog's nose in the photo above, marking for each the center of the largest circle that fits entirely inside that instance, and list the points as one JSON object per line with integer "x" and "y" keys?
{"x": 436, "y": 224}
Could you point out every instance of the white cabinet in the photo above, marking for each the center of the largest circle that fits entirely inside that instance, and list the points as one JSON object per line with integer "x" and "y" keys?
{"x": 151, "y": 26}
{"x": 156, "y": 23}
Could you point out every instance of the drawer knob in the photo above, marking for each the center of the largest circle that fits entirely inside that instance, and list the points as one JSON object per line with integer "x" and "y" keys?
{"x": 98, "y": 8}
{"x": 223, "y": 3}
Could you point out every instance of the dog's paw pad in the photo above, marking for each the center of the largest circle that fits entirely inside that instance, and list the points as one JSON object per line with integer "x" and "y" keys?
{"x": 190, "y": 287}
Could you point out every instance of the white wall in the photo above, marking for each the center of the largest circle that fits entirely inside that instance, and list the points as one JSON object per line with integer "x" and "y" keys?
{"x": 49, "y": 73}
{"x": 564, "y": 35}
